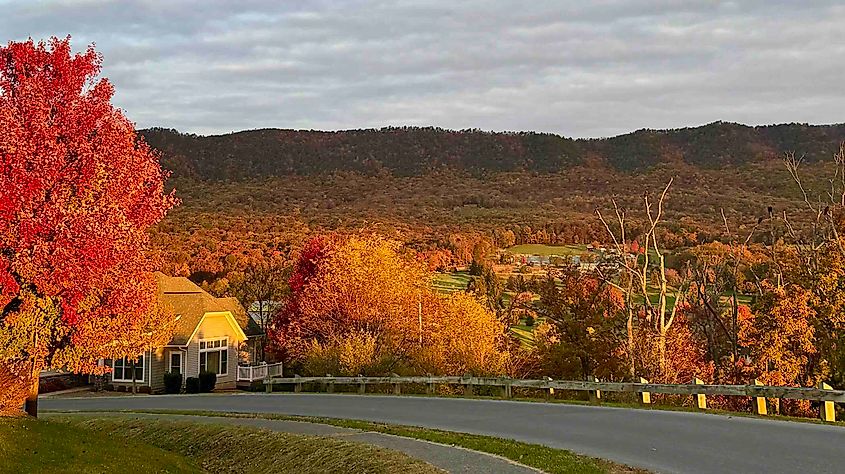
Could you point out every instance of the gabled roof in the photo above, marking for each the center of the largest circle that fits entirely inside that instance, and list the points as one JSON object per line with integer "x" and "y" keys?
{"x": 190, "y": 304}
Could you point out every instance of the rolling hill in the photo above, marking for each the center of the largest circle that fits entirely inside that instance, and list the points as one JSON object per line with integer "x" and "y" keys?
{"x": 410, "y": 151}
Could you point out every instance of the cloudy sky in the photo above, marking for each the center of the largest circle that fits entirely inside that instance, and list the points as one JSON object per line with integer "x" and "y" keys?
{"x": 577, "y": 68}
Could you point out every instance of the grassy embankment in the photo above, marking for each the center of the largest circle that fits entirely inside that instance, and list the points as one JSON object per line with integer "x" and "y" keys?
{"x": 550, "y": 460}
{"x": 71, "y": 444}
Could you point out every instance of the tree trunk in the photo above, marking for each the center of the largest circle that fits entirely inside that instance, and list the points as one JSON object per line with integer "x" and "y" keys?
{"x": 31, "y": 405}
{"x": 134, "y": 387}
{"x": 630, "y": 326}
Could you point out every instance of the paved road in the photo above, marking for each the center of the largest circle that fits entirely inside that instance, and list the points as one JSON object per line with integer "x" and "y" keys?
{"x": 661, "y": 441}
{"x": 451, "y": 459}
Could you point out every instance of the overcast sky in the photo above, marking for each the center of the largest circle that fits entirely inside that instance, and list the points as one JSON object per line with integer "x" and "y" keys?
{"x": 577, "y": 68}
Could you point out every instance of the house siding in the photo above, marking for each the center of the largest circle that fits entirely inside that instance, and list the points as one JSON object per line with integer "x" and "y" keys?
{"x": 158, "y": 367}
{"x": 128, "y": 385}
{"x": 214, "y": 325}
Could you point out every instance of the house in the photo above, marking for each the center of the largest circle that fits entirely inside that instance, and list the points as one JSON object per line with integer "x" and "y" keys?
{"x": 210, "y": 334}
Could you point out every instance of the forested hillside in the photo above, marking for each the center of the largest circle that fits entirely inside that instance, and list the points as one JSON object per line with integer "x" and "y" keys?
{"x": 454, "y": 194}
{"x": 412, "y": 151}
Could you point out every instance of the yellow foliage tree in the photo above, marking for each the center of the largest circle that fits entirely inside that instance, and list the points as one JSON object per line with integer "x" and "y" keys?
{"x": 364, "y": 304}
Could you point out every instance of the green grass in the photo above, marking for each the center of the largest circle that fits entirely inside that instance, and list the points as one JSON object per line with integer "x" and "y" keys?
{"x": 226, "y": 448}
{"x": 551, "y": 460}
{"x": 525, "y": 335}
{"x": 545, "y": 250}
{"x": 451, "y": 282}
{"x": 29, "y": 445}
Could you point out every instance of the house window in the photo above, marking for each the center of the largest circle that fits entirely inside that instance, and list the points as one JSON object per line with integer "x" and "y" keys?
{"x": 176, "y": 362}
{"x": 214, "y": 355}
{"x": 122, "y": 369}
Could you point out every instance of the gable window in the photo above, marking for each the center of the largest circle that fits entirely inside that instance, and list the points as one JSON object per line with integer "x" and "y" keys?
{"x": 122, "y": 369}
{"x": 176, "y": 362}
{"x": 214, "y": 355}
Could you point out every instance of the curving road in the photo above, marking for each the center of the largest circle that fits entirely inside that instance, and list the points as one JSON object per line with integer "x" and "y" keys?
{"x": 662, "y": 441}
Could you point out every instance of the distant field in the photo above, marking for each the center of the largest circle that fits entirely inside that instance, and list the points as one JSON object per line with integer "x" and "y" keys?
{"x": 525, "y": 335}
{"x": 450, "y": 282}
{"x": 540, "y": 249}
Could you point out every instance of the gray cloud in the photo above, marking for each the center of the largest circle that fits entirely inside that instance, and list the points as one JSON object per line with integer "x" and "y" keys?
{"x": 576, "y": 68}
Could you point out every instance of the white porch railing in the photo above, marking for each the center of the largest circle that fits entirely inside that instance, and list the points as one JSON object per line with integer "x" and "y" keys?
{"x": 251, "y": 373}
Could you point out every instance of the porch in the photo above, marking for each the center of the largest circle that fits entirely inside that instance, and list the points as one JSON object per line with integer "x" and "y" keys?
{"x": 251, "y": 373}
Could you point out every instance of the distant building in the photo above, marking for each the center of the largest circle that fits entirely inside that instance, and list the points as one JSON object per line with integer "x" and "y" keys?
{"x": 262, "y": 311}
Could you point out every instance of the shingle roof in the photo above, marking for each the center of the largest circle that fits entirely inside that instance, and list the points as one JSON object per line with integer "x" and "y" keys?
{"x": 189, "y": 303}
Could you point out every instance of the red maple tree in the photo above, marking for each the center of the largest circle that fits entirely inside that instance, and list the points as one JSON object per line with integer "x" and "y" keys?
{"x": 79, "y": 192}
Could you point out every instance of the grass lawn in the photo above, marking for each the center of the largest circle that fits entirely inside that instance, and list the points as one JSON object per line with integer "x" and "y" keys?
{"x": 551, "y": 460}
{"x": 541, "y": 249}
{"x": 525, "y": 334}
{"x": 221, "y": 448}
{"x": 450, "y": 282}
{"x": 28, "y": 445}
{"x": 83, "y": 443}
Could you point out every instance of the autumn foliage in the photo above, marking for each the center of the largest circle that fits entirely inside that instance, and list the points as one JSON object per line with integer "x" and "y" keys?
{"x": 80, "y": 192}
{"x": 363, "y": 304}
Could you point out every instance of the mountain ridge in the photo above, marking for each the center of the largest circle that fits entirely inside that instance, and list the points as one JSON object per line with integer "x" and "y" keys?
{"x": 411, "y": 151}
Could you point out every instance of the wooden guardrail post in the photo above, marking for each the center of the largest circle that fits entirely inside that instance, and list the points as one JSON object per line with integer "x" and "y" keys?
{"x": 297, "y": 388}
{"x": 760, "y": 405}
{"x": 430, "y": 389}
{"x": 329, "y": 385}
{"x": 506, "y": 388}
{"x": 827, "y": 410}
{"x": 397, "y": 386}
{"x": 268, "y": 386}
{"x": 467, "y": 385}
{"x": 595, "y": 395}
{"x": 362, "y": 387}
{"x": 700, "y": 398}
{"x": 644, "y": 396}
{"x": 550, "y": 392}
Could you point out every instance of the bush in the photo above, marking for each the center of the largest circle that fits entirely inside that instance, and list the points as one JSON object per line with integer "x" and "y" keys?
{"x": 172, "y": 382}
{"x": 192, "y": 385}
{"x": 354, "y": 353}
{"x": 207, "y": 381}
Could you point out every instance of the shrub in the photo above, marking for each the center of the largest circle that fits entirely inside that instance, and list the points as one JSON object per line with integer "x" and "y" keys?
{"x": 207, "y": 381}
{"x": 172, "y": 382}
{"x": 192, "y": 385}
{"x": 353, "y": 353}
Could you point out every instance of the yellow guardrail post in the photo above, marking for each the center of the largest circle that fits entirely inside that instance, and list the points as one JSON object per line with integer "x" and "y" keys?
{"x": 550, "y": 392}
{"x": 760, "y": 403}
{"x": 827, "y": 410}
{"x": 595, "y": 395}
{"x": 700, "y": 398}
{"x": 645, "y": 397}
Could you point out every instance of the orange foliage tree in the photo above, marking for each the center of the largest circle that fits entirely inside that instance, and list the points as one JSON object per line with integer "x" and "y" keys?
{"x": 584, "y": 327}
{"x": 80, "y": 191}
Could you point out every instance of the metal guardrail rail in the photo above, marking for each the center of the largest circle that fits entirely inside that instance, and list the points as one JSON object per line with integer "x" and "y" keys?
{"x": 823, "y": 393}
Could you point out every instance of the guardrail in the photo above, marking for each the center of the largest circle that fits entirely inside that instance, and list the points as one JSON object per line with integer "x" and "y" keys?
{"x": 823, "y": 393}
